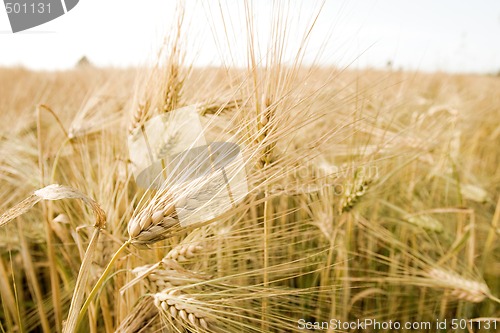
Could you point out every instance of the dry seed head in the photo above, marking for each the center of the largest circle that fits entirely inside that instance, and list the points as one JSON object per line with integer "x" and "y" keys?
{"x": 152, "y": 224}
{"x": 184, "y": 252}
{"x": 177, "y": 305}
{"x": 152, "y": 234}
{"x": 426, "y": 222}
{"x": 474, "y": 193}
{"x": 266, "y": 100}
{"x": 140, "y": 116}
{"x": 352, "y": 196}
{"x": 324, "y": 223}
{"x": 54, "y": 192}
{"x": 167, "y": 278}
{"x": 264, "y": 128}
{"x": 268, "y": 110}
{"x": 264, "y": 120}
{"x": 461, "y": 288}
{"x": 175, "y": 83}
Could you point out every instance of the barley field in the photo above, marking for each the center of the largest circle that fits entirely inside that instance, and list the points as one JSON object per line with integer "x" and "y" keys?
{"x": 364, "y": 195}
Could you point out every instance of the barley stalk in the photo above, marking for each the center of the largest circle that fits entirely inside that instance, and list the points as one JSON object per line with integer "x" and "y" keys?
{"x": 97, "y": 286}
{"x": 264, "y": 160}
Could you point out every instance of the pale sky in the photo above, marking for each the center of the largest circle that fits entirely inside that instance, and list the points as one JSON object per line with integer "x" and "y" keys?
{"x": 448, "y": 35}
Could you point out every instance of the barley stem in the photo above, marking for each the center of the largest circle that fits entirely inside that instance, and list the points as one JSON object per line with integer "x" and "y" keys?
{"x": 101, "y": 280}
{"x": 81, "y": 283}
{"x": 488, "y": 245}
{"x": 266, "y": 263}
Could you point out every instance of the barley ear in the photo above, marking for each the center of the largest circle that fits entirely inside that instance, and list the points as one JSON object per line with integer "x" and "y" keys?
{"x": 181, "y": 309}
{"x": 152, "y": 224}
{"x": 460, "y": 287}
